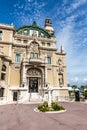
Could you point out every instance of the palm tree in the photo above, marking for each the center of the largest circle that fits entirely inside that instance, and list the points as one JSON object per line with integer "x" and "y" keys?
{"x": 84, "y": 90}
{"x": 83, "y": 87}
{"x": 74, "y": 87}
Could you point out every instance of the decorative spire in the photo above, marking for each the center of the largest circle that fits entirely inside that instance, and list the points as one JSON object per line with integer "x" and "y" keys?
{"x": 12, "y": 24}
{"x": 34, "y": 24}
{"x": 62, "y": 49}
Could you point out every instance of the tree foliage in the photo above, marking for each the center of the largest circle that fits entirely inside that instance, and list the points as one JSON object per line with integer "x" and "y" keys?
{"x": 74, "y": 87}
{"x": 83, "y": 87}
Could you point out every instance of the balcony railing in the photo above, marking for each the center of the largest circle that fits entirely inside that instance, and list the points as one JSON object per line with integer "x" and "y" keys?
{"x": 35, "y": 60}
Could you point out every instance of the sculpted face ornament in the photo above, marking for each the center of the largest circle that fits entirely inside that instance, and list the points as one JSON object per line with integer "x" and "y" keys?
{"x": 60, "y": 70}
{"x": 59, "y": 61}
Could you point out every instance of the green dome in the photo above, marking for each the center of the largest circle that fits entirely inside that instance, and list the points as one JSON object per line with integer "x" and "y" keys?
{"x": 26, "y": 30}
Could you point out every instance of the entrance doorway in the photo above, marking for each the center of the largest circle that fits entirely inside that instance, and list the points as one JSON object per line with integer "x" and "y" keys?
{"x": 33, "y": 84}
{"x": 15, "y": 96}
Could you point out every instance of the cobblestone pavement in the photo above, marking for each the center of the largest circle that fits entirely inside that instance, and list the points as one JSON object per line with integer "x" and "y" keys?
{"x": 23, "y": 117}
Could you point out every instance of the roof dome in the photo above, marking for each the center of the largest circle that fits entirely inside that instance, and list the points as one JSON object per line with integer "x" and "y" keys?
{"x": 49, "y": 28}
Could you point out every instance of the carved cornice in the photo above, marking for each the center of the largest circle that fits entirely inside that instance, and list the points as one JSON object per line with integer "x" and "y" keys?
{"x": 6, "y": 26}
{"x": 48, "y": 48}
{"x": 32, "y": 38}
{"x": 58, "y": 53}
{"x": 6, "y": 42}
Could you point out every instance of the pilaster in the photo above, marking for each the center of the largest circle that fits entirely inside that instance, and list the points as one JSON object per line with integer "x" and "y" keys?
{"x": 23, "y": 75}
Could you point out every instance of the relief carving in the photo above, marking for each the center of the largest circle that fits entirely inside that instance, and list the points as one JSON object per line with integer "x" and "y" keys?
{"x": 34, "y": 46}
{"x": 60, "y": 81}
{"x": 34, "y": 72}
{"x": 60, "y": 70}
{"x": 59, "y": 61}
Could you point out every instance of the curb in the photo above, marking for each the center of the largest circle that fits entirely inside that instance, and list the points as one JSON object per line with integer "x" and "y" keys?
{"x": 50, "y": 112}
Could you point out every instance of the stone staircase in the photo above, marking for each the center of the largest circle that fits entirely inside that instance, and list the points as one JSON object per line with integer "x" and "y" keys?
{"x": 35, "y": 97}
{"x": 32, "y": 98}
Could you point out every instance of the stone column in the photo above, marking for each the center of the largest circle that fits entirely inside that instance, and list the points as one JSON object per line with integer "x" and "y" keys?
{"x": 45, "y": 70}
{"x": 49, "y": 97}
{"x": 45, "y": 74}
{"x": 24, "y": 75}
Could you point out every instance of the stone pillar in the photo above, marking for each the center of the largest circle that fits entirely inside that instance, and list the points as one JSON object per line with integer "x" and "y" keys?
{"x": 49, "y": 97}
{"x": 0, "y": 66}
{"x": 24, "y": 75}
{"x": 8, "y": 86}
{"x": 10, "y": 50}
{"x": 45, "y": 74}
{"x": 45, "y": 70}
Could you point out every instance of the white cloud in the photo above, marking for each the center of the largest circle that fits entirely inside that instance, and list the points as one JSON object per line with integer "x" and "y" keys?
{"x": 78, "y": 3}
{"x": 28, "y": 11}
{"x": 69, "y": 7}
{"x": 65, "y": 37}
{"x": 85, "y": 79}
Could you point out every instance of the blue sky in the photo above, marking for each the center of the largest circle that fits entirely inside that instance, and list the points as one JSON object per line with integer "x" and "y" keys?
{"x": 69, "y": 19}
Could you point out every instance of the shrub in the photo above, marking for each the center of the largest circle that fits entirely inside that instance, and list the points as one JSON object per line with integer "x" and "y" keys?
{"x": 40, "y": 107}
{"x": 45, "y": 104}
{"x": 54, "y": 107}
{"x": 85, "y": 93}
{"x": 62, "y": 108}
{"x": 44, "y": 107}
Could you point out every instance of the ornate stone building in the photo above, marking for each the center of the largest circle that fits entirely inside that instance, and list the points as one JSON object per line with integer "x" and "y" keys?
{"x": 29, "y": 61}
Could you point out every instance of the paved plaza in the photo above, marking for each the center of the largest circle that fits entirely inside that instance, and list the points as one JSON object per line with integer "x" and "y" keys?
{"x": 23, "y": 117}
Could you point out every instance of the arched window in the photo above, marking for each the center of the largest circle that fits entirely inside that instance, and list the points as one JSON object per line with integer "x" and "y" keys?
{"x": 49, "y": 60}
{"x": 3, "y": 68}
{"x": 3, "y": 73}
{"x": 0, "y": 35}
{"x": 33, "y": 55}
{"x": 61, "y": 82}
{"x": 17, "y": 58}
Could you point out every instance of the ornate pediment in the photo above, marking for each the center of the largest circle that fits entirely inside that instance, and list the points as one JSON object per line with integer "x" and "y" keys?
{"x": 34, "y": 72}
{"x": 34, "y": 46}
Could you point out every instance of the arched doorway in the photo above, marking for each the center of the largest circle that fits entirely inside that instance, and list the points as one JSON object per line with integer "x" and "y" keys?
{"x": 33, "y": 84}
{"x": 34, "y": 78}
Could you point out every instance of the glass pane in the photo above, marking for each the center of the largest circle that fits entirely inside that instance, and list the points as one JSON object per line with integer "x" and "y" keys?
{"x": 48, "y": 44}
{"x": 17, "y": 58}
{"x": 25, "y": 41}
{"x": 3, "y": 68}
{"x": 49, "y": 60}
{"x": 33, "y": 84}
{"x": 2, "y": 76}
{"x": 35, "y": 55}
{"x": 31, "y": 55}
{"x": 0, "y": 35}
